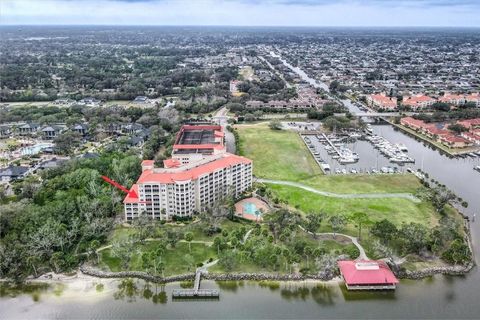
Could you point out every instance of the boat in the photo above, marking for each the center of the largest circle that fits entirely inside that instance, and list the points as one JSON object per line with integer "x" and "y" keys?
{"x": 402, "y": 147}
{"x": 325, "y": 166}
{"x": 346, "y": 160}
{"x": 477, "y": 168}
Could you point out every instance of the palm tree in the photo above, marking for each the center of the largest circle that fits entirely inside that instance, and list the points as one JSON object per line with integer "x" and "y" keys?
{"x": 189, "y": 238}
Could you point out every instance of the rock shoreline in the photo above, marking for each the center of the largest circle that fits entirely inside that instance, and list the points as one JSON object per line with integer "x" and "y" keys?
{"x": 424, "y": 273}
{"x": 414, "y": 275}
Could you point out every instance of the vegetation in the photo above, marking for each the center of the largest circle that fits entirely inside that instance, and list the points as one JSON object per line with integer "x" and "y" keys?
{"x": 278, "y": 245}
{"x": 64, "y": 218}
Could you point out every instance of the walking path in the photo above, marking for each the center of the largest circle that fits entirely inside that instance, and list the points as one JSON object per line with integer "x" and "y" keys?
{"x": 245, "y": 237}
{"x": 407, "y": 196}
{"x": 361, "y": 256}
{"x": 207, "y": 243}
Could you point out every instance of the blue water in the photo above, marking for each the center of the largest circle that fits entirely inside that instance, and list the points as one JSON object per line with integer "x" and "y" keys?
{"x": 250, "y": 208}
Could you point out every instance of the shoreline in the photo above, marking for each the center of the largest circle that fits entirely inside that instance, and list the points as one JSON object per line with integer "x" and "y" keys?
{"x": 90, "y": 275}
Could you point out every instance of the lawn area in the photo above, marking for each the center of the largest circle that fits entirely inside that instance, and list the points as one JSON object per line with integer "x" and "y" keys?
{"x": 276, "y": 154}
{"x": 379, "y": 183}
{"x": 282, "y": 155}
{"x": 175, "y": 262}
{"x": 395, "y": 210}
{"x": 174, "y": 258}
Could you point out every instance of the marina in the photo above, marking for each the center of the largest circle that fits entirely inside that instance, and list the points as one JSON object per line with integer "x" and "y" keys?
{"x": 355, "y": 152}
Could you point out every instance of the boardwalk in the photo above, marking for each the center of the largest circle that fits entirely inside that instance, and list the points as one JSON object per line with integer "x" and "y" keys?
{"x": 196, "y": 292}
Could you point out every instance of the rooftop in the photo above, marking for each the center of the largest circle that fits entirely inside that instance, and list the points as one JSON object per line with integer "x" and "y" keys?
{"x": 365, "y": 272}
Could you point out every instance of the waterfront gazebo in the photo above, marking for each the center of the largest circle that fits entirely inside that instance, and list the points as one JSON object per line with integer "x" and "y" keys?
{"x": 367, "y": 275}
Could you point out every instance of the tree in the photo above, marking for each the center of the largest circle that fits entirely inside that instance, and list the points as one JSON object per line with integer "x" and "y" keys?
{"x": 124, "y": 251}
{"x": 457, "y": 253}
{"x": 189, "y": 238}
{"x": 228, "y": 260}
{"x": 337, "y": 222}
{"x": 384, "y": 230}
{"x": 66, "y": 142}
{"x": 217, "y": 242}
{"x": 313, "y": 223}
{"x": 92, "y": 250}
{"x": 413, "y": 237}
{"x": 360, "y": 219}
{"x": 275, "y": 125}
{"x": 457, "y": 128}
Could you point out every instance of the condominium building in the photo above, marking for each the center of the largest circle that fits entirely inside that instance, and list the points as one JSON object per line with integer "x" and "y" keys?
{"x": 189, "y": 182}
{"x": 418, "y": 102}
{"x": 194, "y": 142}
{"x": 381, "y": 101}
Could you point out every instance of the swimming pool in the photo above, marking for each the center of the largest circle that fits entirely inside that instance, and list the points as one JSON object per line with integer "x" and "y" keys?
{"x": 251, "y": 208}
{"x": 32, "y": 150}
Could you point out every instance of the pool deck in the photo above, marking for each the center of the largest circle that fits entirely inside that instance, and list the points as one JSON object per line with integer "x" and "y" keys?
{"x": 259, "y": 204}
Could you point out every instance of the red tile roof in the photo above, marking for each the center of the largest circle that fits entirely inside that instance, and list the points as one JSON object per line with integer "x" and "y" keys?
{"x": 171, "y": 163}
{"x": 414, "y": 100}
{"x": 129, "y": 198}
{"x": 227, "y": 160}
{"x": 365, "y": 272}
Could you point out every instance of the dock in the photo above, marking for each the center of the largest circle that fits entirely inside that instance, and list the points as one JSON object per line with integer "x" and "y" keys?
{"x": 196, "y": 292}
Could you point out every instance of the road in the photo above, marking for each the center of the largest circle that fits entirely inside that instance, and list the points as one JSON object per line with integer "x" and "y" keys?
{"x": 221, "y": 118}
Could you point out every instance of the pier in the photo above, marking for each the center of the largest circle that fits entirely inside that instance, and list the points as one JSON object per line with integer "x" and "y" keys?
{"x": 196, "y": 292}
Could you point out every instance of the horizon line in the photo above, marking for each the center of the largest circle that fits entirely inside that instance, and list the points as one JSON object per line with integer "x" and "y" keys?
{"x": 230, "y": 26}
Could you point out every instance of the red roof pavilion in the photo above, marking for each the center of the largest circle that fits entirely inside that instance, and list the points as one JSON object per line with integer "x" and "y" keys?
{"x": 367, "y": 274}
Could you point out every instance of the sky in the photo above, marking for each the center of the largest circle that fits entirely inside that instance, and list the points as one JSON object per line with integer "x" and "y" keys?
{"x": 388, "y": 13}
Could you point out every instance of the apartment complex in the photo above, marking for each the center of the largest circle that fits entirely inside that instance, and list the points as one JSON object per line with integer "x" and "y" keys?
{"x": 194, "y": 142}
{"x": 189, "y": 182}
{"x": 381, "y": 101}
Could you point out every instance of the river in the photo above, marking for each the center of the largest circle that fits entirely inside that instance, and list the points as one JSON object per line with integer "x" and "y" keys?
{"x": 439, "y": 297}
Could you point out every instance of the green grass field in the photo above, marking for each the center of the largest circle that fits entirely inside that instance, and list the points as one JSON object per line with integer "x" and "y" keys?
{"x": 278, "y": 155}
{"x": 395, "y": 210}
{"x": 282, "y": 155}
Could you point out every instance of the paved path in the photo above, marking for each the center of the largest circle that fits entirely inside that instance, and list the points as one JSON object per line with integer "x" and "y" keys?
{"x": 407, "y": 196}
{"x": 245, "y": 237}
{"x": 221, "y": 117}
{"x": 361, "y": 256}
{"x": 207, "y": 243}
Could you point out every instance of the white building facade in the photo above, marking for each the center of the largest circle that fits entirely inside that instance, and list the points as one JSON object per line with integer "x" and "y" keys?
{"x": 185, "y": 189}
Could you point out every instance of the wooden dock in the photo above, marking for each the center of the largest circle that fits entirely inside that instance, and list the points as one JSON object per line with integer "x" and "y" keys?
{"x": 196, "y": 292}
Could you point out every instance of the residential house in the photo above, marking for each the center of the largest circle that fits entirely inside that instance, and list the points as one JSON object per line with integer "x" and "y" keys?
{"x": 12, "y": 173}
{"x": 28, "y": 129}
{"x": 5, "y": 132}
{"x": 51, "y": 132}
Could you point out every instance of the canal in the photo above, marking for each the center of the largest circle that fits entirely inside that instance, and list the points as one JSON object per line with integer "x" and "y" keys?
{"x": 439, "y": 297}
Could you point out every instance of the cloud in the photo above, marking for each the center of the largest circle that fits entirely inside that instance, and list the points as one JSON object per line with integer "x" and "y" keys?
{"x": 243, "y": 12}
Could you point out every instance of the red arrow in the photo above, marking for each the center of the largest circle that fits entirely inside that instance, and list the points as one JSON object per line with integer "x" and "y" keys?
{"x": 117, "y": 185}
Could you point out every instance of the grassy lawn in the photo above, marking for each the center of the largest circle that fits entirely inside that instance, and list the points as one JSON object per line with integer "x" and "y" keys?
{"x": 282, "y": 155}
{"x": 278, "y": 155}
{"x": 174, "y": 258}
{"x": 201, "y": 252}
{"x": 392, "y": 183}
{"x": 395, "y": 210}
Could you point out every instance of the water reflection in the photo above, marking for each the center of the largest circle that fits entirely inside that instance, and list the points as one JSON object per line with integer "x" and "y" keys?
{"x": 9, "y": 290}
{"x": 129, "y": 290}
{"x": 367, "y": 295}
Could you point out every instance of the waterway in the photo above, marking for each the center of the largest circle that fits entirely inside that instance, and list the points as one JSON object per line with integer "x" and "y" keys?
{"x": 439, "y": 297}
